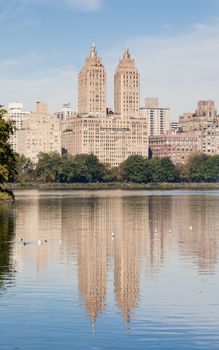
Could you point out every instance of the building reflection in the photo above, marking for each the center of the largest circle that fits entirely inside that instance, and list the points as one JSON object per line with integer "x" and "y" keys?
{"x": 84, "y": 236}
{"x": 198, "y": 231}
{"x": 147, "y": 231}
{"x": 129, "y": 243}
{"x": 38, "y": 219}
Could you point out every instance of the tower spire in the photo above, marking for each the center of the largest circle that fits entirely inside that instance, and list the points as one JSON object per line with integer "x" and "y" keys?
{"x": 93, "y": 52}
{"x": 126, "y": 54}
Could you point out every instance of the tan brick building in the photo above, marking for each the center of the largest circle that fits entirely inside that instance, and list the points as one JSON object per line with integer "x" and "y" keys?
{"x": 127, "y": 88}
{"x": 112, "y": 137}
{"x": 17, "y": 115}
{"x": 40, "y": 132}
{"x": 204, "y": 124}
{"x": 92, "y": 86}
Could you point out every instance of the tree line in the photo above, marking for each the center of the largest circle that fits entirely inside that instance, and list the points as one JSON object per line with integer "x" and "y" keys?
{"x": 86, "y": 168}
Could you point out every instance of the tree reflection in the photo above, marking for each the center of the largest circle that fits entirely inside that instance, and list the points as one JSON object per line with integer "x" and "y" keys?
{"x": 6, "y": 235}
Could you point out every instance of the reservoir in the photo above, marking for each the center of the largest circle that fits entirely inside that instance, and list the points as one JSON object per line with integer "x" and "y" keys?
{"x": 110, "y": 269}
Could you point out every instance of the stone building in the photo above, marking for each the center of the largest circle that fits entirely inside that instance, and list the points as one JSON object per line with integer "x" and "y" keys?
{"x": 204, "y": 124}
{"x": 40, "y": 132}
{"x": 127, "y": 88}
{"x": 112, "y": 137}
{"x": 17, "y": 115}
{"x": 92, "y": 86}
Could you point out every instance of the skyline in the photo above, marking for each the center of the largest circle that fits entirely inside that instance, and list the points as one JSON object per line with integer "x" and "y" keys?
{"x": 175, "y": 49}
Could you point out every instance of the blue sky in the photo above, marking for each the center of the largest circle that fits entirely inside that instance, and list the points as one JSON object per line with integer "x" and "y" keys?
{"x": 44, "y": 44}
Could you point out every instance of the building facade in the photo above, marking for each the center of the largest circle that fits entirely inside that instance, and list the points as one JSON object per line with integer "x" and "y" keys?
{"x": 17, "y": 115}
{"x": 158, "y": 118}
{"x": 40, "y": 132}
{"x": 112, "y": 137}
{"x": 178, "y": 146}
{"x": 127, "y": 88}
{"x": 92, "y": 86}
{"x": 204, "y": 123}
{"x": 108, "y": 138}
{"x": 65, "y": 112}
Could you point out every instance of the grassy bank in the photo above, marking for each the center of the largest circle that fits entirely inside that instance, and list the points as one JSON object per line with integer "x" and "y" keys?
{"x": 114, "y": 185}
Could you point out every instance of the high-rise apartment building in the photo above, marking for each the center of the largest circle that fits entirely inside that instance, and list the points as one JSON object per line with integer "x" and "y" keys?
{"x": 204, "y": 123}
{"x": 108, "y": 138}
{"x": 111, "y": 137}
{"x": 40, "y": 132}
{"x": 92, "y": 86}
{"x": 178, "y": 146}
{"x": 158, "y": 118}
{"x": 127, "y": 88}
{"x": 17, "y": 115}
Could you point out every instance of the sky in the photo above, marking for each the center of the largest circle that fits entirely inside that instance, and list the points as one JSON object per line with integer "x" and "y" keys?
{"x": 44, "y": 43}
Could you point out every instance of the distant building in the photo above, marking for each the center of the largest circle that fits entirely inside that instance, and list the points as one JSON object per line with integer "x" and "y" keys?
{"x": 177, "y": 146}
{"x": 112, "y": 137}
{"x": 204, "y": 123}
{"x": 40, "y": 132}
{"x": 17, "y": 115}
{"x": 158, "y": 118}
{"x": 127, "y": 88}
{"x": 206, "y": 109}
{"x": 174, "y": 126}
{"x": 108, "y": 138}
{"x": 65, "y": 112}
{"x": 92, "y": 86}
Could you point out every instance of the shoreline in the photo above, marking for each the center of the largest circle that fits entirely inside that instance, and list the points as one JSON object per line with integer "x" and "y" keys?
{"x": 4, "y": 201}
{"x": 114, "y": 186}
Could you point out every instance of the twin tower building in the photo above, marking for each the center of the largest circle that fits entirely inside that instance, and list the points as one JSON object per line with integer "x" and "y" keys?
{"x": 92, "y": 91}
{"x": 111, "y": 136}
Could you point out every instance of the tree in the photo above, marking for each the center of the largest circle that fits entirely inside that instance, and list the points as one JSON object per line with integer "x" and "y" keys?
{"x": 111, "y": 174}
{"x": 24, "y": 169}
{"x": 136, "y": 169}
{"x": 6, "y": 234}
{"x": 89, "y": 168}
{"x": 163, "y": 170}
{"x": 48, "y": 167}
{"x": 69, "y": 169}
{"x": 7, "y": 156}
{"x": 213, "y": 168}
{"x": 198, "y": 168}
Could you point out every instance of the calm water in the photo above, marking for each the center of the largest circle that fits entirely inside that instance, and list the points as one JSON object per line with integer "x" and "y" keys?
{"x": 154, "y": 286}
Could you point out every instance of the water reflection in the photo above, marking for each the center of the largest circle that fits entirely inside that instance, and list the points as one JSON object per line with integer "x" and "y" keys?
{"x": 148, "y": 232}
{"x": 6, "y": 235}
